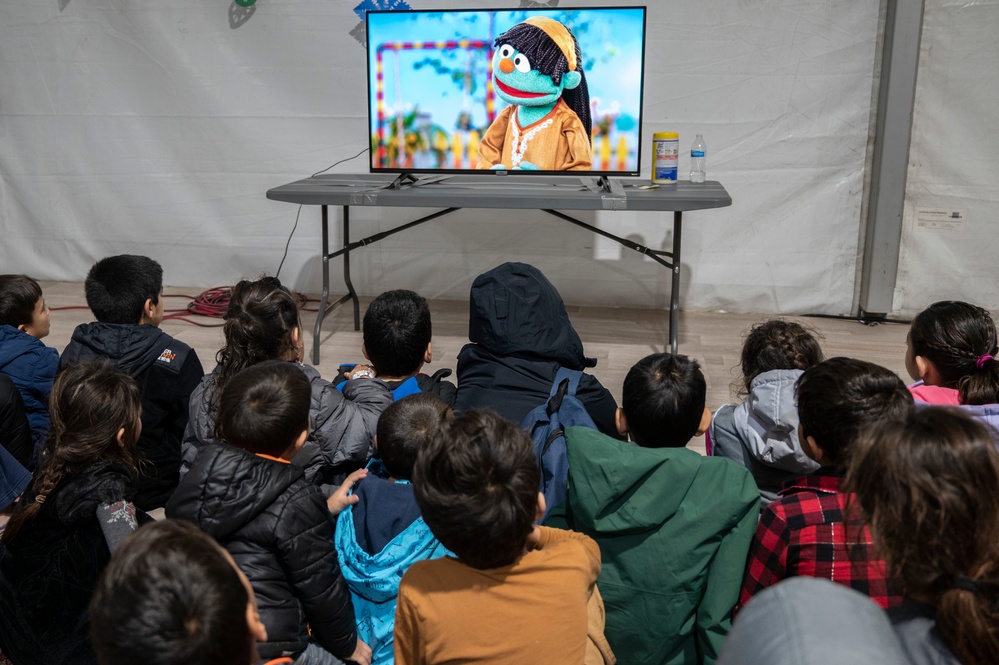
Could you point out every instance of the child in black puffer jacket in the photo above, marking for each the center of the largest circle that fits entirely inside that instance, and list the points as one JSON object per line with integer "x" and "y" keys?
{"x": 277, "y": 526}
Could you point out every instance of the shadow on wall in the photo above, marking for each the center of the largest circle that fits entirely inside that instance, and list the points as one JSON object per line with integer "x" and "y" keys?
{"x": 240, "y": 12}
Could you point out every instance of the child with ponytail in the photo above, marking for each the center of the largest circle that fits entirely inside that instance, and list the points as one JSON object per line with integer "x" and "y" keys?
{"x": 951, "y": 352}
{"x": 929, "y": 490}
{"x": 72, "y": 517}
{"x": 262, "y": 323}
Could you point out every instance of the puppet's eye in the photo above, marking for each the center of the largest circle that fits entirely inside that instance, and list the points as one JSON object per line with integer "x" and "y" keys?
{"x": 522, "y": 64}
{"x": 506, "y": 51}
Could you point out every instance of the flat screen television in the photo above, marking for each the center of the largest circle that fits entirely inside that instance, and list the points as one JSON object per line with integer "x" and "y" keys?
{"x": 516, "y": 91}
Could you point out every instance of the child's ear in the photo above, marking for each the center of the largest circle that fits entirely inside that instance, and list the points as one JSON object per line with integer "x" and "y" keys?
{"x": 570, "y": 80}
{"x": 428, "y": 355}
{"x": 813, "y": 449}
{"x": 705, "y": 422}
{"x": 364, "y": 351}
{"x": 374, "y": 441}
{"x": 927, "y": 371}
{"x": 539, "y": 510}
{"x": 299, "y": 442}
{"x": 148, "y": 311}
{"x": 621, "y": 422}
{"x": 121, "y": 438}
{"x": 257, "y": 629}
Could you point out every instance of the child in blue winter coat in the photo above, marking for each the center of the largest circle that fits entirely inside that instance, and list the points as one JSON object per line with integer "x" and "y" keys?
{"x": 24, "y": 321}
{"x": 381, "y": 535}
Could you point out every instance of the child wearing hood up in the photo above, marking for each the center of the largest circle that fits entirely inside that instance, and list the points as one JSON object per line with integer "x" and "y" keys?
{"x": 383, "y": 534}
{"x": 520, "y": 335}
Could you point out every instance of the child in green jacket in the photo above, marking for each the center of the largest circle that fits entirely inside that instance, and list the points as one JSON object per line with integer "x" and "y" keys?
{"x": 673, "y": 527}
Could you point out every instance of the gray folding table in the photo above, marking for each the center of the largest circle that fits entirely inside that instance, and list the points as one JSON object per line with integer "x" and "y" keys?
{"x": 454, "y": 192}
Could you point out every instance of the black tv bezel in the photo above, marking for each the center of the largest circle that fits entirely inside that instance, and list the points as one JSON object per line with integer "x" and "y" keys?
{"x": 511, "y": 172}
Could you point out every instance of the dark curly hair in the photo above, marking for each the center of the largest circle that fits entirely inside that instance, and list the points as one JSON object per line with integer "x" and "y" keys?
{"x": 259, "y": 323}
{"x": 929, "y": 490}
{"x": 777, "y": 344}
{"x": 477, "y": 488}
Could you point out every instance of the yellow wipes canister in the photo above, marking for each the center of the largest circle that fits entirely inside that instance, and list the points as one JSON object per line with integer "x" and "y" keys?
{"x": 665, "y": 154}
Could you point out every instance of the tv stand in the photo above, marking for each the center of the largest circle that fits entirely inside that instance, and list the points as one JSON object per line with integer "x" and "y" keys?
{"x": 410, "y": 180}
{"x": 604, "y": 185}
{"x": 402, "y": 180}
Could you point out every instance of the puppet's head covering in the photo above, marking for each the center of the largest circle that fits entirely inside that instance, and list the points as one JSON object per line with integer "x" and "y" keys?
{"x": 553, "y": 50}
{"x": 558, "y": 34}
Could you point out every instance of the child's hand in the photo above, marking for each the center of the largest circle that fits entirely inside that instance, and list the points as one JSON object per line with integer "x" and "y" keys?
{"x": 360, "y": 371}
{"x": 342, "y": 498}
{"x": 361, "y": 655}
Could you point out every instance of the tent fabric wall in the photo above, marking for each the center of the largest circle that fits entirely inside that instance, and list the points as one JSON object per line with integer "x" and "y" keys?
{"x": 157, "y": 127}
{"x": 953, "y": 161}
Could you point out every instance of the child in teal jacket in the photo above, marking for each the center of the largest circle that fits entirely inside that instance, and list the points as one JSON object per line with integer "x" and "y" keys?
{"x": 382, "y": 534}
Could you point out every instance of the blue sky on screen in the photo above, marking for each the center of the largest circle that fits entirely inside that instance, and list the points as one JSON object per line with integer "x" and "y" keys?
{"x": 610, "y": 39}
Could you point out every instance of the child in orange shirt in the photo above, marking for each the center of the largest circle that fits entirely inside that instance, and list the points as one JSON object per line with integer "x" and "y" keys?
{"x": 517, "y": 592}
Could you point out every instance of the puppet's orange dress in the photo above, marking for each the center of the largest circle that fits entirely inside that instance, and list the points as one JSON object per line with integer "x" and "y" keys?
{"x": 556, "y": 142}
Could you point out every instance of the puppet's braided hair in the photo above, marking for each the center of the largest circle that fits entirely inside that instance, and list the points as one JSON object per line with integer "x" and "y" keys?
{"x": 547, "y": 58}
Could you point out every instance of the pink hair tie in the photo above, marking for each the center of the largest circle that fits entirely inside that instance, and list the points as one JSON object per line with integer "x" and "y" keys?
{"x": 980, "y": 363}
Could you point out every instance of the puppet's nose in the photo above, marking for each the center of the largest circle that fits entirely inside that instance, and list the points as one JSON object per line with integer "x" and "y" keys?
{"x": 506, "y": 65}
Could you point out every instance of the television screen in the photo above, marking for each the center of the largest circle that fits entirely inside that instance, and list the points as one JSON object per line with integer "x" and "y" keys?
{"x": 519, "y": 91}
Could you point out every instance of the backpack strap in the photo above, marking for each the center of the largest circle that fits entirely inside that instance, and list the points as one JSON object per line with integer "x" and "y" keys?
{"x": 442, "y": 373}
{"x": 566, "y": 383}
{"x": 573, "y": 375}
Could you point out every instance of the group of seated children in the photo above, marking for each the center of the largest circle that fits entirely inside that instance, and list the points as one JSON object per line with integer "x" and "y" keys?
{"x": 389, "y": 516}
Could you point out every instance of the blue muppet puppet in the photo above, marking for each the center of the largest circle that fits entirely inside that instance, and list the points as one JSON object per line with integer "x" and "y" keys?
{"x": 538, "y": 69}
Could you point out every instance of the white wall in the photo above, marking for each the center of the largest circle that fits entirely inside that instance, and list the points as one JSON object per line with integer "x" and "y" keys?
{"x": 954, "y": 160}
{"x": 156, "y": 127}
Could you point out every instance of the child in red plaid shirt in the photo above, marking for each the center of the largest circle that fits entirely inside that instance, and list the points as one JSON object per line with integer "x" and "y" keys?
{"x": 806, "y": 530}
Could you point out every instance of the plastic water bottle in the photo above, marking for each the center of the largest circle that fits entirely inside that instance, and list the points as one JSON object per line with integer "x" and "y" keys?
{"x": 698, "y": 157}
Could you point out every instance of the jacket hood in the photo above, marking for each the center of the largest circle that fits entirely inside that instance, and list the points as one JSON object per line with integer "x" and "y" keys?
{"x": 607, "y": 478}
{"x": 227, "y": 488}
{"x": 514, "y": 309}
{"x": 768, "y": 422}
{"x": 783, "y": 625}
{"x": 15, "y": 343}
{"x": 988, "y": 414}
{"x": 79, "y": 496}
{"x": 376, "y": 577}
{"x": 131, "y": 347}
